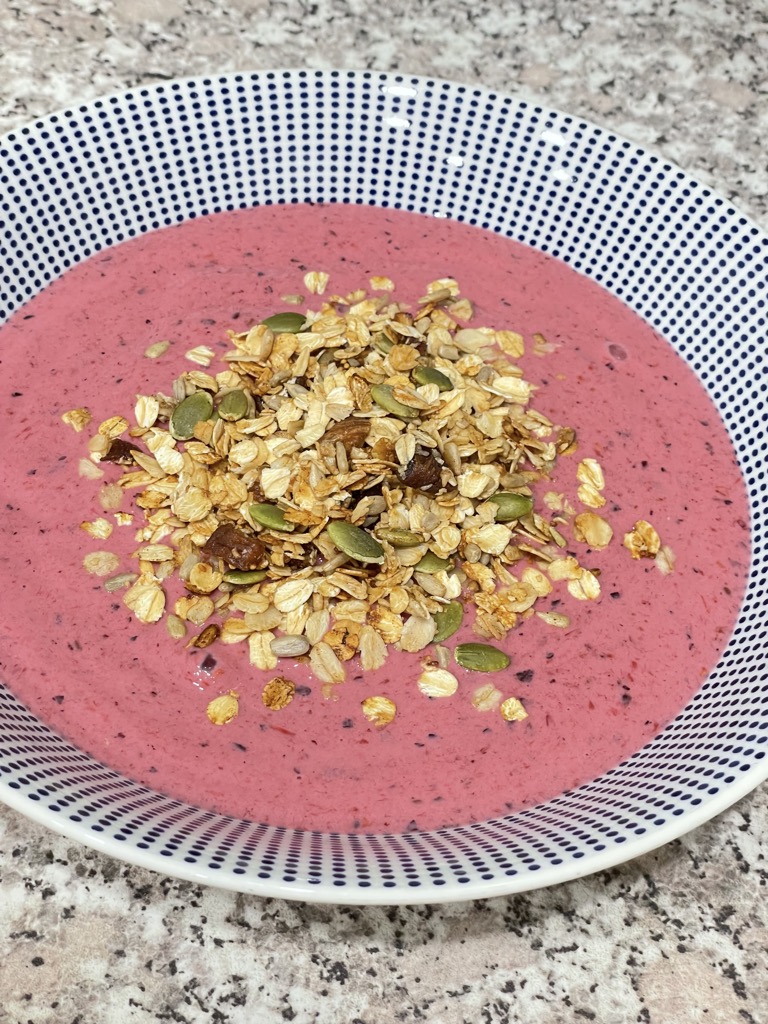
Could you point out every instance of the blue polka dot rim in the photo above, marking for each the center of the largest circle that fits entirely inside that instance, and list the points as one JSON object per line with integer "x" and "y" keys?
{"x": 678, "y": 254}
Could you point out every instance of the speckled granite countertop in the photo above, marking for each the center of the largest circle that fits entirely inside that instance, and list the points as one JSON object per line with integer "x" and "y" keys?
{"x": 676, "y": 937}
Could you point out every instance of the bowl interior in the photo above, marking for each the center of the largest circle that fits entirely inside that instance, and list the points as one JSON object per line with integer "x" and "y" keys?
{"x": 680, "y": 256}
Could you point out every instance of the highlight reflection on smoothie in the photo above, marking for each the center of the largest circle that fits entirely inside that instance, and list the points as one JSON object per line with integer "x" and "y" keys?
{"x": 594, "y": 692}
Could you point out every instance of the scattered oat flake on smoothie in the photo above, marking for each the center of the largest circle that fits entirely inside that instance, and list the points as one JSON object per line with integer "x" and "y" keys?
{"x": 379, "y": 711}
{"x": 224, "y": 708}
{"x": 642, "y": 541}
{"x": 78, "y": 419}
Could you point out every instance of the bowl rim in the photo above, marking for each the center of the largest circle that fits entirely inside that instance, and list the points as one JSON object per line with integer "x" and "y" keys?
{"x": 550, "y": 875}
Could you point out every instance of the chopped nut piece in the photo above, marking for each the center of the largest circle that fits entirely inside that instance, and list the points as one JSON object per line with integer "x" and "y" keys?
{"x": 278, "y": 693}
{"x": 223, "y": 709}
{"x": 351, "y": 432}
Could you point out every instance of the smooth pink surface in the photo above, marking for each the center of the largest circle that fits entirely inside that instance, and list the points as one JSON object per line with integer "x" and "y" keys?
{"x": 595, "y": 692}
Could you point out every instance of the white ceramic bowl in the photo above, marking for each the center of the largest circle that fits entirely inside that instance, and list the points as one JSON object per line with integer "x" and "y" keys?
{"x": 680, "y": 256}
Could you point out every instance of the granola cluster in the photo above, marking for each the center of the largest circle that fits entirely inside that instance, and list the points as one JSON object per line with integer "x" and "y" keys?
{"x": 349, "y": 481}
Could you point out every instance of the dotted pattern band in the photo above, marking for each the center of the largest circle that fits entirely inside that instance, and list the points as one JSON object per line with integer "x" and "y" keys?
{"x": 679, "y": 255}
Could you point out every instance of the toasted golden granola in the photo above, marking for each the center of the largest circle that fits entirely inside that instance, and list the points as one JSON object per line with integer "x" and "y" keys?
{"x": 341, "y": 477}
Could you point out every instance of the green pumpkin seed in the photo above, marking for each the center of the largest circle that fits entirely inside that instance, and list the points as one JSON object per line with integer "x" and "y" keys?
{"x": 188, "y": 413}
{"x": 433, "y": 563}
{"x": 270, "y": 516}
{"x": 481, "y": 657}
{"x": 429, "y": 375}
{"x": 447, "y": 621}
{"x": 382, "y": 343}
{"x": 383, "y": 396}
{"x": 511, "y": 505}
{"x": 242, "y": 577}
{"x": 399, "y": 538}
{"x": 355, "y": 542}
{"x": 285, "y": 323}
{"x": 233, "y": 406}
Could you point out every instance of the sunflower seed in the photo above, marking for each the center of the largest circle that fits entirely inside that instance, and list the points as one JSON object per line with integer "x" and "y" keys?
{"x": 288, "y": 646}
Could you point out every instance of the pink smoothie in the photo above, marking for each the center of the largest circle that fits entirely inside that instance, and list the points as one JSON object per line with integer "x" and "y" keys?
{"x": 595, "y": 692}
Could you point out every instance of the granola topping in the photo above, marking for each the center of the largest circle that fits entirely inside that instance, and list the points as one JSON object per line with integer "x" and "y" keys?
{"x": 352, "y": 479}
